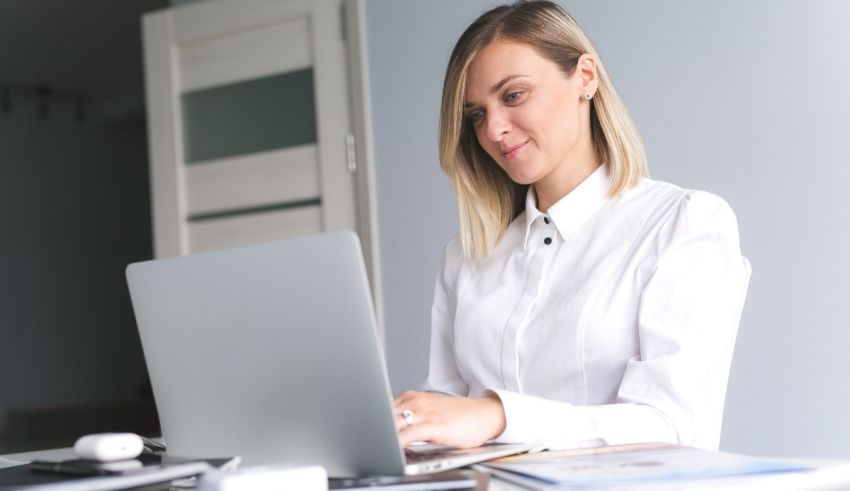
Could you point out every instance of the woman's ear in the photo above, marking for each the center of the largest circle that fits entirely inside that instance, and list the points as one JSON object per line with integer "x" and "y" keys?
{"x": 588, "y": 77}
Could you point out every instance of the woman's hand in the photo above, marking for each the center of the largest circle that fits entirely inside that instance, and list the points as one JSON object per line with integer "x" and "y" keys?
{"x": 455, "y": 421}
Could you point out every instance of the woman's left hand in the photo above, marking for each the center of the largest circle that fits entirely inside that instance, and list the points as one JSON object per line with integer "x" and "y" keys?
{"x": 461, "y": 422}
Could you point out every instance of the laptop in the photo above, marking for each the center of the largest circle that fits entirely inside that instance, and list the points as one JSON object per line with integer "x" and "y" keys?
{"x": 270, "y": 352}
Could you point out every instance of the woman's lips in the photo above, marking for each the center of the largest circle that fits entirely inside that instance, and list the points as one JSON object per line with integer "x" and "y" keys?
{"x": 511, "y": 152}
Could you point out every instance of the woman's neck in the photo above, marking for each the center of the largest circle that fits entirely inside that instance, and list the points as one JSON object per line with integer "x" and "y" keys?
{"x": 571, "y": 172}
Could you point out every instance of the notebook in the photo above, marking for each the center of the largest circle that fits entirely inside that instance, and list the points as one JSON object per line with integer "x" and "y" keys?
{"x": 270, "y": 352}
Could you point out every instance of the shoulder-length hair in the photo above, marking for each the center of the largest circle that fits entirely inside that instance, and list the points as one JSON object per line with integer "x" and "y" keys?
{"x": 488, "y": 200}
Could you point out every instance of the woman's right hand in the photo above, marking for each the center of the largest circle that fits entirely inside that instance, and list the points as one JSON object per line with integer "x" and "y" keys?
{"x": 455, "y": 421}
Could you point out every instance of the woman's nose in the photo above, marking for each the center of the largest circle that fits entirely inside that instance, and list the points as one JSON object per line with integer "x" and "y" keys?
{"x": 497, "y": 125}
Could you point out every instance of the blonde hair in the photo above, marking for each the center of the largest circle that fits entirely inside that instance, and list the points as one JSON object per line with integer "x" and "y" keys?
{"x": 488, "y": 200}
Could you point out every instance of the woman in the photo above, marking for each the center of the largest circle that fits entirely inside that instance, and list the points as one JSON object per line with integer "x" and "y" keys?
{"x": 582, "y": 302}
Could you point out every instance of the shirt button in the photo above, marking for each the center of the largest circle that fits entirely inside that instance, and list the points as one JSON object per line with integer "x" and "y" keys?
{"x": 547, "y": 240}
{"x": 546, "y": 220}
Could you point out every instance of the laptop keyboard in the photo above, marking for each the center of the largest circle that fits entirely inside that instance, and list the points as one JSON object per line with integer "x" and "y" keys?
{"x": 415, "y": 456}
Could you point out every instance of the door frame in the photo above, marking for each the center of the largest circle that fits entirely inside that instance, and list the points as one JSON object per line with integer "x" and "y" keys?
{"x": 354, "y": 15}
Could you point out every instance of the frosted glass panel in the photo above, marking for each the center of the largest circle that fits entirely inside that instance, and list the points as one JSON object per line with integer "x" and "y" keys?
{"x": 261, "y": 114}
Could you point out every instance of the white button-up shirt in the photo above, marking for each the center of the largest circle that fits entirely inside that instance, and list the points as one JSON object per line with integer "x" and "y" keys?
{"x": 605, "y": 320}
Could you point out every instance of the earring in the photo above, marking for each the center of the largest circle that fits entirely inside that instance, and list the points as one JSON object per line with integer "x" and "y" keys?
{"x": 588, "y": 96}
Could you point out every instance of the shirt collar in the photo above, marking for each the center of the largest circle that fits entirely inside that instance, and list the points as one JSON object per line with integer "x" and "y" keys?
{"x": 575, "y": 208}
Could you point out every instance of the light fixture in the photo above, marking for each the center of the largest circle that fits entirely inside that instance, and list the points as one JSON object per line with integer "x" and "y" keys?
{"x": 45, "y": 99}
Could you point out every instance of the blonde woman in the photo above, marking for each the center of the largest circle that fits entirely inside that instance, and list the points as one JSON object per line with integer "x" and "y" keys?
{"x": 582, "y": 302}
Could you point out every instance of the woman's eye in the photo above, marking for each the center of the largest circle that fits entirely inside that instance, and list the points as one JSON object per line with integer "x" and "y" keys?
{"x": 513, "y": 97}
{"x": 475, "y": 117}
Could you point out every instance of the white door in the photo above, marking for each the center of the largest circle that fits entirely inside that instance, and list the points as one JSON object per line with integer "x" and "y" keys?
{"x": 250, "y": 124}
{"x": 249, "y": 120}
{"x": 258, "y": 124}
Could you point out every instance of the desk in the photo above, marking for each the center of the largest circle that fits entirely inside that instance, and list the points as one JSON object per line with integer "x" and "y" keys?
{"x": 55, "y": 454}
{"x": 833, "y": 475}
{"x": 68, "y": 453}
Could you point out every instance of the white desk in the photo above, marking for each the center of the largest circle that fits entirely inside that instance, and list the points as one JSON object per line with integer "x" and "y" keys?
{"x": 833, "y": 476}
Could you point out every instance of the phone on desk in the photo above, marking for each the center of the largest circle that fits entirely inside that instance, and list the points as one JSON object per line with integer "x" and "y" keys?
{"x": 144, "y": 462}
{"x": 81, "y": 467}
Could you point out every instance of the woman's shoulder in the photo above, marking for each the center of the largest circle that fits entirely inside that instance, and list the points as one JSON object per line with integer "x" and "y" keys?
{"x": 453, "y": 251}
{"x": 670, "y": 206}
{"x": 453, "y": 257}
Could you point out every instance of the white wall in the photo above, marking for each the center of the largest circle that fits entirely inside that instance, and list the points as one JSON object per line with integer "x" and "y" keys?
{"x": 750, "y": 100}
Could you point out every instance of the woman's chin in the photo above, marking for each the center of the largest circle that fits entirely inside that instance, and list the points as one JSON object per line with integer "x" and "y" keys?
{"x": 523, "y": 179}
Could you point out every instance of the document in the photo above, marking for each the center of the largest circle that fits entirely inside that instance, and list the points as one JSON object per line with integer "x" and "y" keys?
{"x": 639, "y": 464}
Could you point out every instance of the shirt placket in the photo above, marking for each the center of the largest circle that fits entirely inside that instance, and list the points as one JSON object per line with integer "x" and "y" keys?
{"x": 539, "y": 247}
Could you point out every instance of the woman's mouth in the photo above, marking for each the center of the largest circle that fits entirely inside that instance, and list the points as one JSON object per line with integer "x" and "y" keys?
{"x": 512, "y": 151}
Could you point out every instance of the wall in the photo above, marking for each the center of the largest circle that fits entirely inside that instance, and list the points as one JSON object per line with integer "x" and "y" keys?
{"x": 745, "y": 99}
{"x": 75, "y": 210}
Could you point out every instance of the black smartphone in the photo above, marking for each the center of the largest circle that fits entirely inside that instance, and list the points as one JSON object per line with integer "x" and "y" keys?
{"x": 80, "y": 467}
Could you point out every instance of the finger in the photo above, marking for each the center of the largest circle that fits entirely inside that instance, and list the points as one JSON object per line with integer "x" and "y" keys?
{"x": 400, "y": 409}
{"x": 401, "y": 422}
{"x": 406, "y": 397}
{"x": 410, "y": 403}
{"x": 407, "y": 417}
{"x": 421, "y": 432}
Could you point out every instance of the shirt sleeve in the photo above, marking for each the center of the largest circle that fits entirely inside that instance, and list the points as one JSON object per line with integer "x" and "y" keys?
{"x": 443, "y": 375}
{"x": 689, "y": 312}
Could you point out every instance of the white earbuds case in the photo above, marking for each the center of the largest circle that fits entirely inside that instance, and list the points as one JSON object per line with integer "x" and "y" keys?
{"x": 109, "y": 447}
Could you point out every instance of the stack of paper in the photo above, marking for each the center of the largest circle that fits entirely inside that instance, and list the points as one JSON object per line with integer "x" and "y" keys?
{"x": 644, "y": 466}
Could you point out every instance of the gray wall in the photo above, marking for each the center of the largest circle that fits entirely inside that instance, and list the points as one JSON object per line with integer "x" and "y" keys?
{"x": 749, "y": 100}
{"x": 75, "y": 210}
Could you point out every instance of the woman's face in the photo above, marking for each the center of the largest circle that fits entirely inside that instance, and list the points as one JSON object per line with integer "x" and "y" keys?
{"x": 527, "y": 114}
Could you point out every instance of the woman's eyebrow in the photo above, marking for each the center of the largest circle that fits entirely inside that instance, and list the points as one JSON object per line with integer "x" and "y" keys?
{"x": 496, "y": 87}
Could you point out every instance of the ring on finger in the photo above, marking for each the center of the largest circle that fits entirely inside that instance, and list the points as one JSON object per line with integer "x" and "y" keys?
{"x": 407, "y": 415}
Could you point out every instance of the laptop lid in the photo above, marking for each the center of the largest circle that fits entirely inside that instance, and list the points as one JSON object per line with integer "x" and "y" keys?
{"x": 269, "y": 352}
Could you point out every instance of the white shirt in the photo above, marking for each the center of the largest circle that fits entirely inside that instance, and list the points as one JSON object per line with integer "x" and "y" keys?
{"x": 606, "y": 320}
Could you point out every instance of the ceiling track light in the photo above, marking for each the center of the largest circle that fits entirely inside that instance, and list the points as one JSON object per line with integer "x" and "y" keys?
{"x": 46, "y": 99}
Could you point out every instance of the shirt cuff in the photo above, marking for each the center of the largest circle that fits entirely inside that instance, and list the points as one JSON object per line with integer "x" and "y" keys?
{"x": 530, "y": 419}
{"x": 556, "y": 424}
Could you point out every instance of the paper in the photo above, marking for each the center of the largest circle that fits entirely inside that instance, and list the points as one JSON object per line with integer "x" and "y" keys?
{"x": 638, "y": 464}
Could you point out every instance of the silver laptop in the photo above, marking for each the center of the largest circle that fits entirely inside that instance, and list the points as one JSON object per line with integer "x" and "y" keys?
{"x": 270, "y": 352}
